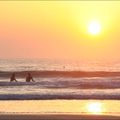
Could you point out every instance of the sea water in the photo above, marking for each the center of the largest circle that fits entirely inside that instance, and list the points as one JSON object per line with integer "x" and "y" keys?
{"x": 59, "y": 79}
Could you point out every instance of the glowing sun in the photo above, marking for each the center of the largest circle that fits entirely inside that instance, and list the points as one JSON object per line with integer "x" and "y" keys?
{"x": 94, "y": 27}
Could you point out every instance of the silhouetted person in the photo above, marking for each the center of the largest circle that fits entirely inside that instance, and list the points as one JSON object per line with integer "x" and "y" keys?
{"x": 12, "y": 78}
{"x": 29, "y": 78}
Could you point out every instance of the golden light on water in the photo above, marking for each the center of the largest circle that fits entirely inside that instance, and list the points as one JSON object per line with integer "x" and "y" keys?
{"x": 95, "y": 108}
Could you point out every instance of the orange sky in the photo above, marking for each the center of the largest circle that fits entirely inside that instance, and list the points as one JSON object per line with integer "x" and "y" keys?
{"x": 59, "y": 29}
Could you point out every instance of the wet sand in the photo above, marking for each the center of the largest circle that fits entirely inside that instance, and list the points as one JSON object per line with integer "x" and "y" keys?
{"x": 60, "y": 110}
{"x": 56, "y": 117}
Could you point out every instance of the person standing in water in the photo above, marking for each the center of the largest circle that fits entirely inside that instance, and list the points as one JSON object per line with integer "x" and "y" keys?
{"x": 29, "y": 78}
{"x": 12, "y": 78}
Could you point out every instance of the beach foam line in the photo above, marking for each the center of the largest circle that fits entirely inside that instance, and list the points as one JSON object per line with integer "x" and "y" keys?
{"x": 91, "y": 84}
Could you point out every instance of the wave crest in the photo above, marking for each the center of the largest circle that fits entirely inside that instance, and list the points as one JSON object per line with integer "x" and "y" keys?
{"x": 62, "y": 73}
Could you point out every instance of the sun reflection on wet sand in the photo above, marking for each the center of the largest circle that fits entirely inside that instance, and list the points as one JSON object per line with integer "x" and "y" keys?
{"x": 107, "y": 107}
{"x": 95, "y": 108}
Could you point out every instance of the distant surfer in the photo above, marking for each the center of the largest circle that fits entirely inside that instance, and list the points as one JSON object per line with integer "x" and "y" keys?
{"x": 63, "y": 67}
{"x": 12, "y": 78}
{"x": 29, "y": 78}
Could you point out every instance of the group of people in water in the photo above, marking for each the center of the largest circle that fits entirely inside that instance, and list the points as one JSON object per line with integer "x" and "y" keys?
{"x": 28, "y": 78}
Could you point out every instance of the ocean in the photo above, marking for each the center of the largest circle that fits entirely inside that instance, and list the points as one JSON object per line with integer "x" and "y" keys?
{"x": 59, "y": 79}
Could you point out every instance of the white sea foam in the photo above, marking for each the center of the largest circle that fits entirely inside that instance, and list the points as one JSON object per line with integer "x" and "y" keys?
{"x": 61, "y": 88}
{"x": 60, "y": 79}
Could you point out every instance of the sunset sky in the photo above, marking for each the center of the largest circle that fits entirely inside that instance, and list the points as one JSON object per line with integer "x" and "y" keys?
{"x": 60, "y": 30}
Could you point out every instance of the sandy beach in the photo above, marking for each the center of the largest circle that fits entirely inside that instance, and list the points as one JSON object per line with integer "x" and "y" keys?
{"x": 56, "y": 117}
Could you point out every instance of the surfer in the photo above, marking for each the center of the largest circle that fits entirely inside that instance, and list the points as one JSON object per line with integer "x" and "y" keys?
{"x": 12, "y": 78}
{"x": 29, "y": 78}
